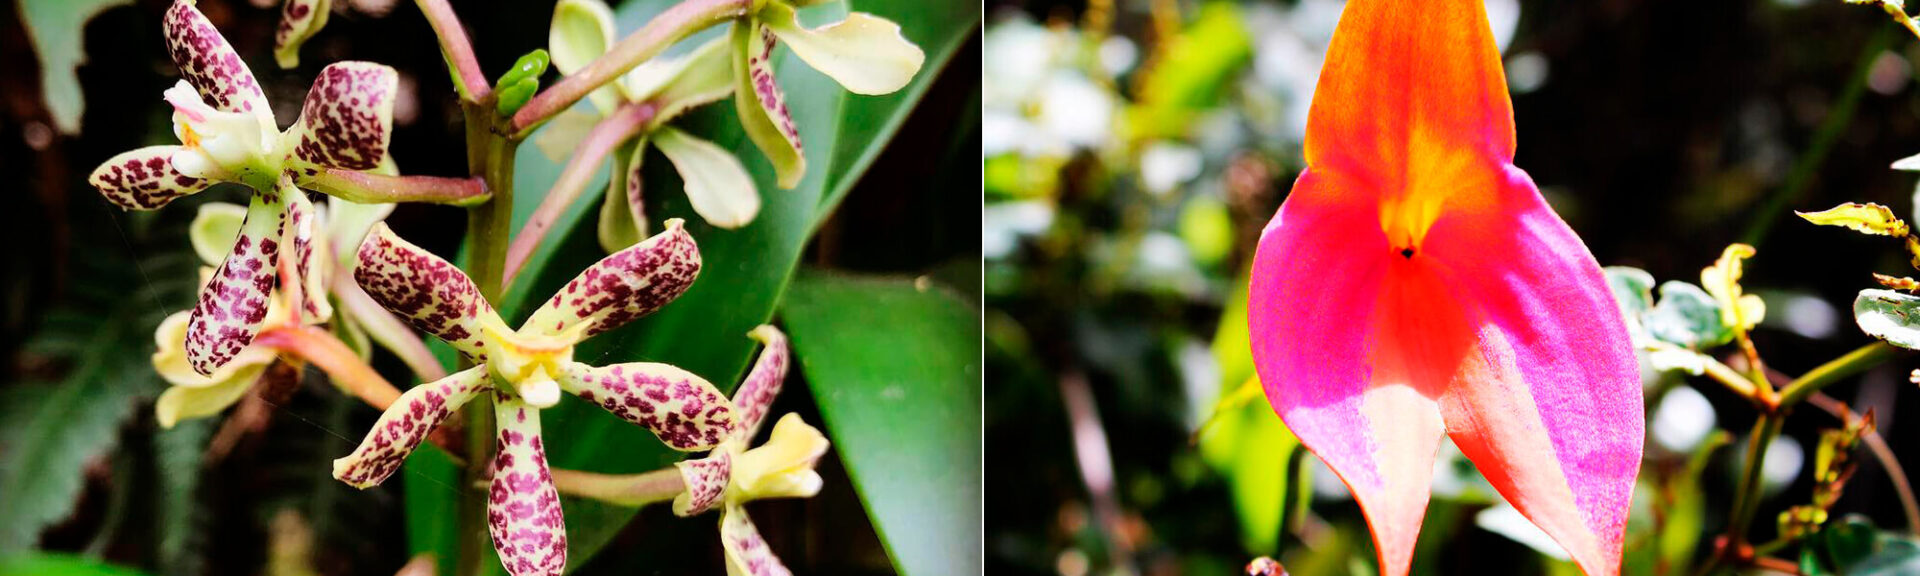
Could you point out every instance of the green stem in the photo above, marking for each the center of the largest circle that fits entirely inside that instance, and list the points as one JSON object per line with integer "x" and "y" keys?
{"x": 1835, "y": 370}
{"x": 671, "y": 26}
{"x": 1747, "y": 498}
{"x": 489, "y": 156}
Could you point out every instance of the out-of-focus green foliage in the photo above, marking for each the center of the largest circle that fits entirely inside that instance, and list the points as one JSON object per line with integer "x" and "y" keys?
{"x": 55, "y": 28}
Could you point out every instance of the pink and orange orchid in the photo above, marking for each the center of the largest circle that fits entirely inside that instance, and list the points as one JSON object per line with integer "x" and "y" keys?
{"x": 1415, "y": 285}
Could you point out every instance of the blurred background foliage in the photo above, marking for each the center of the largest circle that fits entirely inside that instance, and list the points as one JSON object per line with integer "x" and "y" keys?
{"x": 880, "y": 246}
{"x": 1134, "y": 149}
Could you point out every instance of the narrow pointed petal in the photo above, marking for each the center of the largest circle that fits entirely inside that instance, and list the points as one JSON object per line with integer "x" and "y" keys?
{"x": 747, "y": 552}
{"x": 144, "y": 179}
{"x": 680, "y": 407}
{"x": 706, "y": 481}
{"x": 1396, "y": 78}
{"x": 347, "y": 120}
{"x": 1552, "y": 413}
{"x": 623, "y": 217}
{"x": 581, "y": 32}
{"x": 761, "y": 105}
{"x": 301, "y": 231}
{"x": 623, "y": 286}
{"x": 756, "y": 393}
{"x": 299, "y": 21}
{"x": 234, "y": 302}
{"x": 180, "y": 403}
{"x": 406, "y": 423}
{"x": 430, "y": 293}
{"x": 717, "y": 185}
{"x": 210, "y": 64}
{"x": 1350, "y": 347}
{"x": 864, "y": 53}
{"x": 523, "y": 508}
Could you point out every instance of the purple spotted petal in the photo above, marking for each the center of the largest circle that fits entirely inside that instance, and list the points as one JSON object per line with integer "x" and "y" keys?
{"x": 626, "y": 285}
{"x": 763, "y": 382}
{"x": 706, "y": 481}
{"x": 404, "y": 424}
{"x": 234, "y": 301}
{"x": 761, "y": 105}
{"x": 747, "y": 552}
{"x": 299, "y": 20}
{"x": 348, "y": 118}
{"x": 523, "y": 508}
{"x": 300, "y": 235}
{"x": 144, "y": 179}
{"x": 209, "y": 63}
{"x": 428, "y": 292}
{"x": 683, "y": 409}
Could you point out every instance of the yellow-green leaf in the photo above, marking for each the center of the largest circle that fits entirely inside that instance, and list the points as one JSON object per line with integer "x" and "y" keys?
{"x": 1866, "y": 218}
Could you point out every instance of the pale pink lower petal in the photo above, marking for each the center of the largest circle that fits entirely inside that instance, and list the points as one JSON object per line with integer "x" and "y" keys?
{"x": 430, "y": 293}
{"x": 144, "y": 179}
{"x": 747, "y": 552}
{"x": 1557, "y": 421}
{"x": 233, "y": 304}
{"x": 763, "y": 382}
{"x": 680, "y": 407}
{"x": 209, "y": 63}
{"x": 706, "y": 481}
{"x": 408, "y": 421}
{"x": 347, "y": 120}
{"x": 523, "y": 507}
{"x": 623, "y": 286}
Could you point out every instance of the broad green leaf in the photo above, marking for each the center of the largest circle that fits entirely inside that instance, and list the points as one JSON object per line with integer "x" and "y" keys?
{"x": 56, "y": 29}
{"x": 1890, "y": 316}
{"x": 895, "y": 368}
{"x": 1633, "y": 293}
{"x": 1687, "y": 317}
{"x": 746, "y": 270}
{"x": 1866, "y": 218}
{"x": 38, "y": 564}
{"x": 1244, "y": 440}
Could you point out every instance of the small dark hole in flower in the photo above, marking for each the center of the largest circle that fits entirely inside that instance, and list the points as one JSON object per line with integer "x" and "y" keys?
{"x": 1406, "y": 253}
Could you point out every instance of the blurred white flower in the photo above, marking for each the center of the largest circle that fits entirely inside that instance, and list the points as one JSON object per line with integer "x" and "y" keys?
{"x": 1683, "y": 420}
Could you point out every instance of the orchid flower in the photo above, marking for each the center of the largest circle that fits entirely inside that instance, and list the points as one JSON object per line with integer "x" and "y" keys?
{"x": 299, "y": 21}
{"x": 195, "y": 395}
{"x": 228, "y": 134}
{"x": 717, "y": 185}
{"x": 526, "y": 369}
{"x": 1415, "y": 286}
{"x": 733, "y": 475}
{"x": 864, "y": 53}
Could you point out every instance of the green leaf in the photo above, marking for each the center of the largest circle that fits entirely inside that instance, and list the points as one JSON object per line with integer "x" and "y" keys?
{"x": 1849, "y": 541}
{"x": 1890, "y": 316}
{"x": 1244, "y": 440}
{"x": 746, "y": 270}
{"x": 1897, "y": 556}
{"x": 56, "y": 29}
{"x": 60, "y": 565}
{"x": 895, "y": 368}
{"x": 1687, "y": 317}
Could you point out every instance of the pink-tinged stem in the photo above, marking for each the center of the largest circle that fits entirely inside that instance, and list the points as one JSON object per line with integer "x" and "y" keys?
{"x": 616, "y": 128}
{"x": 370, "y": 188}
{"x": 671, "y": 26}
{"x": 335, "y": 358}
{"x": 387, "y": 329}
{"x": 456, "y": 48}
{"x": 621, "y": 489}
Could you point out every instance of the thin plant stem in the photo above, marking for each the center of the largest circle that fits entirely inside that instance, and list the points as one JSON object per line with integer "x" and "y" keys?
{"x": 1732, "y": 379}
{"x": 623, "y": 124}
{"x": 489, "y": 156}
{"x": 457, "y": 50}
{"x": 332, "y": 356}
{"x": 621, "y": 489}
{"x": 671, "y": 26}
{"x": 1836, "y": 370}
{"x": 369, "y": 188}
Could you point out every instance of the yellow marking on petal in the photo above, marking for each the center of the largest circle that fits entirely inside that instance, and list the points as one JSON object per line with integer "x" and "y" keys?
{"x": 529, "y": 361}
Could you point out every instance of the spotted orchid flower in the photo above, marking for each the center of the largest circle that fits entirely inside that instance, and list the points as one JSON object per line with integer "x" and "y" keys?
{"x": 1415, "y": 286}
{"x": 227, "y": 134}
{"x": 864, "y": 53}
{"x": 299, "y": 21}
{"x": 717, "y": 185}
{"x": 526, "y": 369}
{"x": 732, "y": 475}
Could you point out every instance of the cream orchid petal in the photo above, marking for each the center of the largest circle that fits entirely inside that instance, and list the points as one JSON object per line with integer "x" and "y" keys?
{"x": 684, "y": 410}
{"x": 425, "y": 290}
{"x": 864, "y": 53}
{"x": 144, "y": 179}
{"x": 523, "y": 507}
{"x": 747, "y": 552}
{"x": 706, "y": 482}
{"x": 405, "y": 424}
{"x": 347, "y": 120}
{"x": 581, "y": 32}
{"x": 214, "y": 228}
{"x": 234, "y": 302}
{"x": 623, "y": 218}
{"x": 717, "y": 185}
{"x": 210, "y": 64}
{"x": 621, "y": 287}
{"x": 783, "y": 467}
{"x": 760, "y": 104}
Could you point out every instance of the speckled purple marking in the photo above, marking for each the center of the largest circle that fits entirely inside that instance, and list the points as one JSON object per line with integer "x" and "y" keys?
{"x": 296, "y": 16}
{"x": 144, "y": 179}
{"x": 683, "y": 409}
{"x": 430, "y": 293}
{"x": 760, "y": 70}
{"x": 748, "y": 550}
{"x": 636, "y": 201}
{"x": 209, "y": 63}
{"x": 523, "y": 508}
{"x": 234, "y": 302}
{"x": 300, "y": 223}
{"x": 756, "y": 393}
{"x": 404, "y": 424}
{"x": 706, "y": 480}
{"x": 626, "y": 285}
{"x": 348, "y": 117}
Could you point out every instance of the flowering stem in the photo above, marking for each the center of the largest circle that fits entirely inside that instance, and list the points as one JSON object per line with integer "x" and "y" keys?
{"x": 671, "y": 26}
{"x": 608, "y": 134}
{"x": 331, "y": 355}
{"x": 489, "y": 156}
{"x": 457, "y": 50}
{"x": 370, "y": 188}
{"x": 621, "y": 489}
{"x": 1733, "y": 380}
